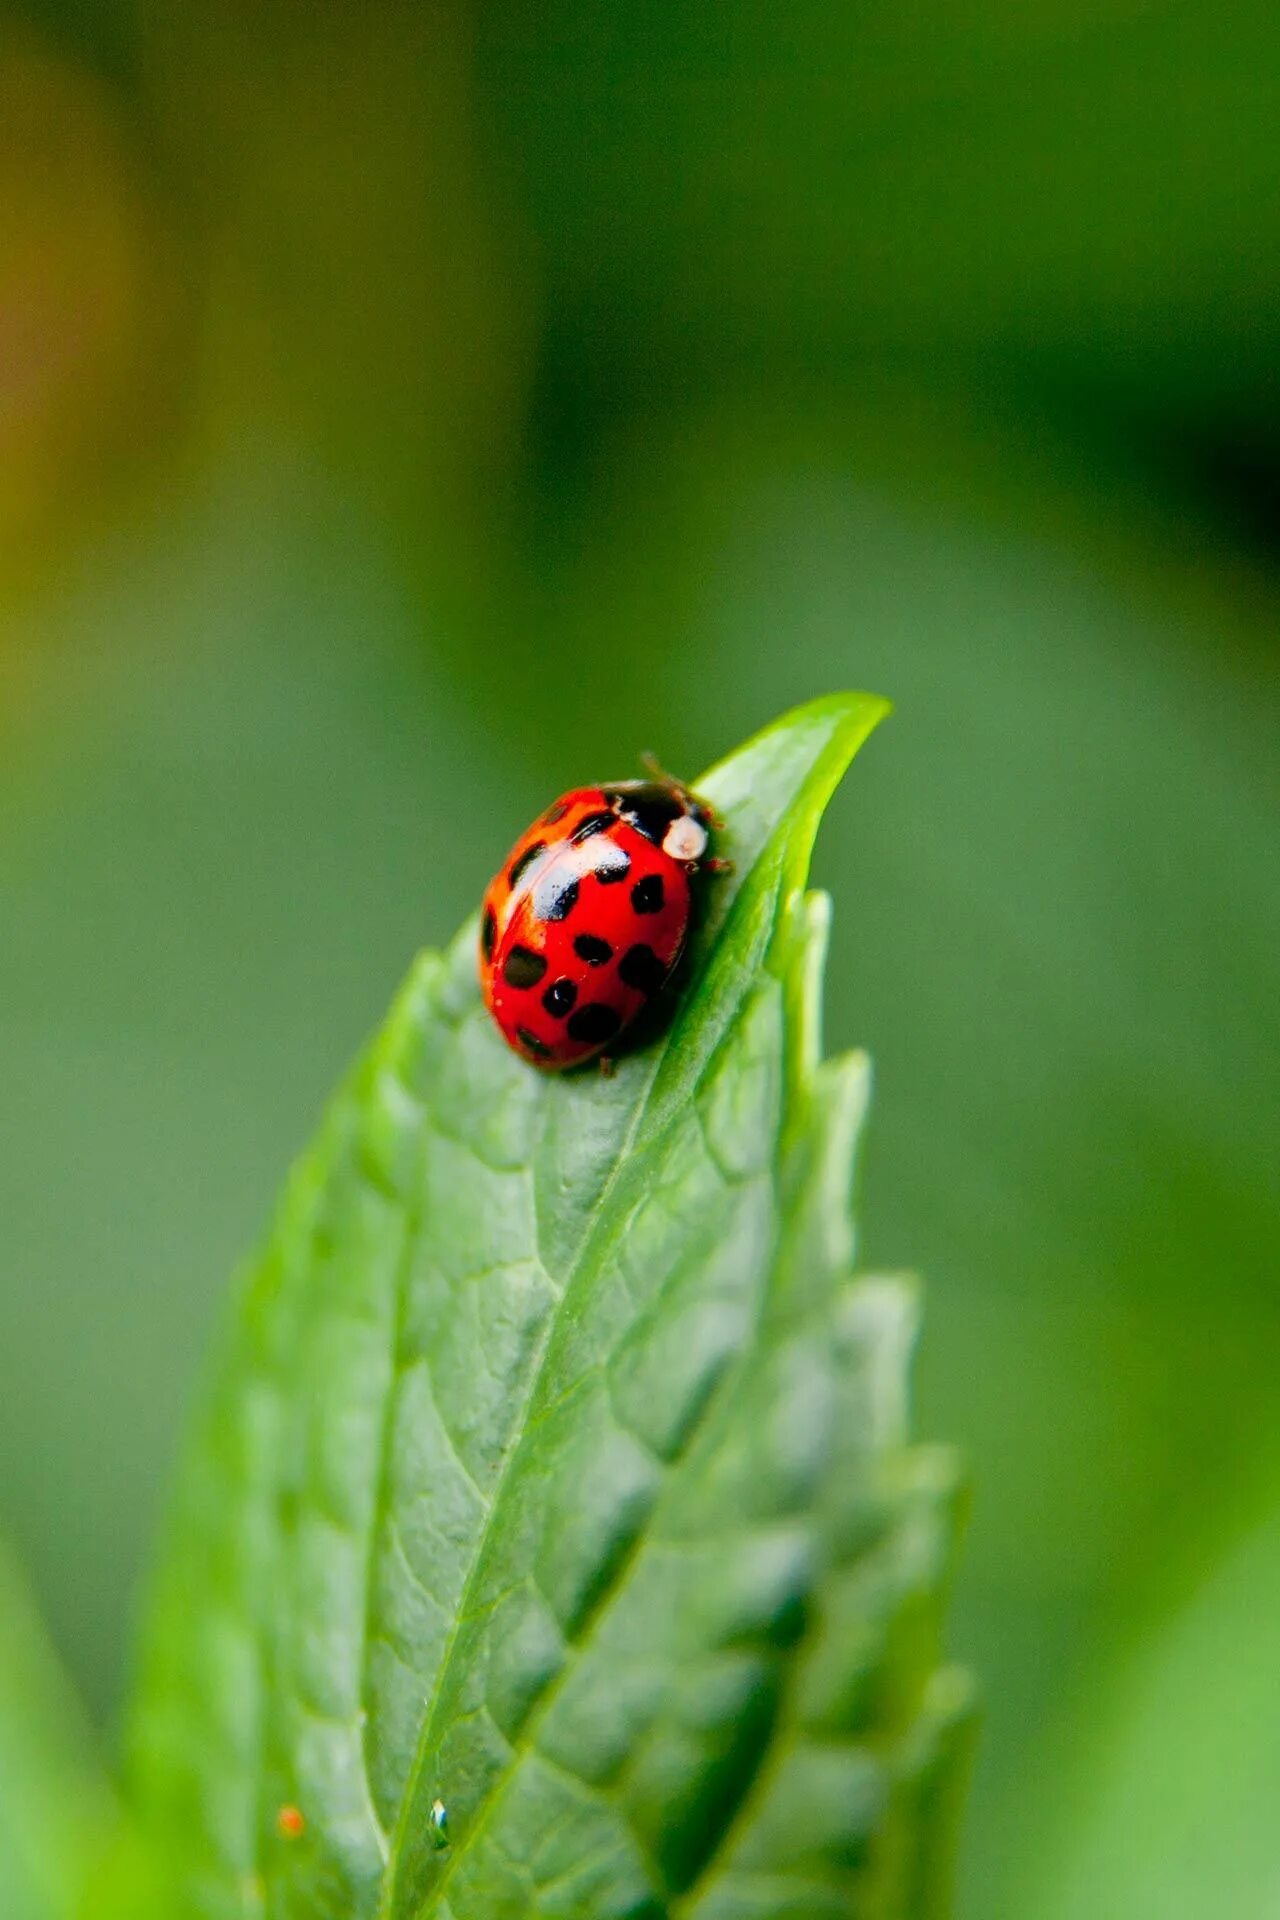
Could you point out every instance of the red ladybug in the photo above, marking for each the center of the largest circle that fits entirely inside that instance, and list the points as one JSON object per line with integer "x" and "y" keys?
{"x": 584, "y": 924}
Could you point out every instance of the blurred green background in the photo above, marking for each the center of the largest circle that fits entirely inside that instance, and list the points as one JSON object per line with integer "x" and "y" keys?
{"x": 409, "y": 410}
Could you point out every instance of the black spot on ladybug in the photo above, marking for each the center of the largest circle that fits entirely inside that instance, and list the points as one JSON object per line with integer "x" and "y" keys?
{"x": 521, "y": 968}
{"x": 610, "y": 863}
{"x": 555, "y": 897}
{"x": 525, "y": 861}
{"x": 594, "y": 951}
{"x": 488, "y": 933}
{"x": 559, "y": 998}
{"x": 647, "y": 895}
{"x": 533, "y": 1043}
{"x": 641, "y": 968}
{"x": 554, "y": 813}
{"x": 595, "y": 1023}
{"x": 593, "y": 824}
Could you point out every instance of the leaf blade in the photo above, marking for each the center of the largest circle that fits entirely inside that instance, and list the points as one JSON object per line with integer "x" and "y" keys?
{"x": 55, "y": 1805}
{"x": 479, "y": 1374}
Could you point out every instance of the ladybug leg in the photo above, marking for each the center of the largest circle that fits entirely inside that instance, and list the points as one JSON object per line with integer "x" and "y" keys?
{"x": 608, "y": 1066}
{"x": 717, "y": 864}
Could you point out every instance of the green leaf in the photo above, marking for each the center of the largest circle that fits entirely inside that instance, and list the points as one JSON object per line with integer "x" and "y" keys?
{"x": 1182, "y": 1749}
{"x": 66, "y": 1850}
{"x": 54, "y": 1803}
{"x": 555, "y": 1473}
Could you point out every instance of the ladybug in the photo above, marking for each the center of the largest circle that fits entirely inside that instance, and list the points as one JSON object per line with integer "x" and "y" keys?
{"x": 582, "y": 928}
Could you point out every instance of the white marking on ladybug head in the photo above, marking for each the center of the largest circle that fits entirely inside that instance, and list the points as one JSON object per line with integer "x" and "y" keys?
{"x": 685, "y": 838}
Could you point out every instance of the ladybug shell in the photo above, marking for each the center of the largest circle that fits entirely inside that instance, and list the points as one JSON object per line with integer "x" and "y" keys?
{"x": 584, "y": 924}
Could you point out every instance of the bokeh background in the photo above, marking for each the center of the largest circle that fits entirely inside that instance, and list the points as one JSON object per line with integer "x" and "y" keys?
{"x": 408, "y": 410}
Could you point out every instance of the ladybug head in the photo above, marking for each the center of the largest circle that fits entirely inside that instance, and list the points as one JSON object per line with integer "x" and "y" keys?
{"x": 666, "y": 813}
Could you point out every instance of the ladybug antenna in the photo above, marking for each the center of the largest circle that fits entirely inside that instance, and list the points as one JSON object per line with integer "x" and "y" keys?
{"x": 654, "y": 767}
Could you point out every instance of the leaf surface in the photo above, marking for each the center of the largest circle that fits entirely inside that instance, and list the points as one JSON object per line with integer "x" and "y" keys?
{"x": 554, "y": 1481}
{"x": 54, "y": 1802}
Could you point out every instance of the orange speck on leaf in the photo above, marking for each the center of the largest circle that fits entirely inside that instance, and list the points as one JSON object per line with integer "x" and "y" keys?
{"x": 291, "y": 1822}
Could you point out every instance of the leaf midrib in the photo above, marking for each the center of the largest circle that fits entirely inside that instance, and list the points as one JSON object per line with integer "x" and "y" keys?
{"x": 555, "y": 1687}
{"x": 594, "y": 1224}
{"x": 679, "y": 1903}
